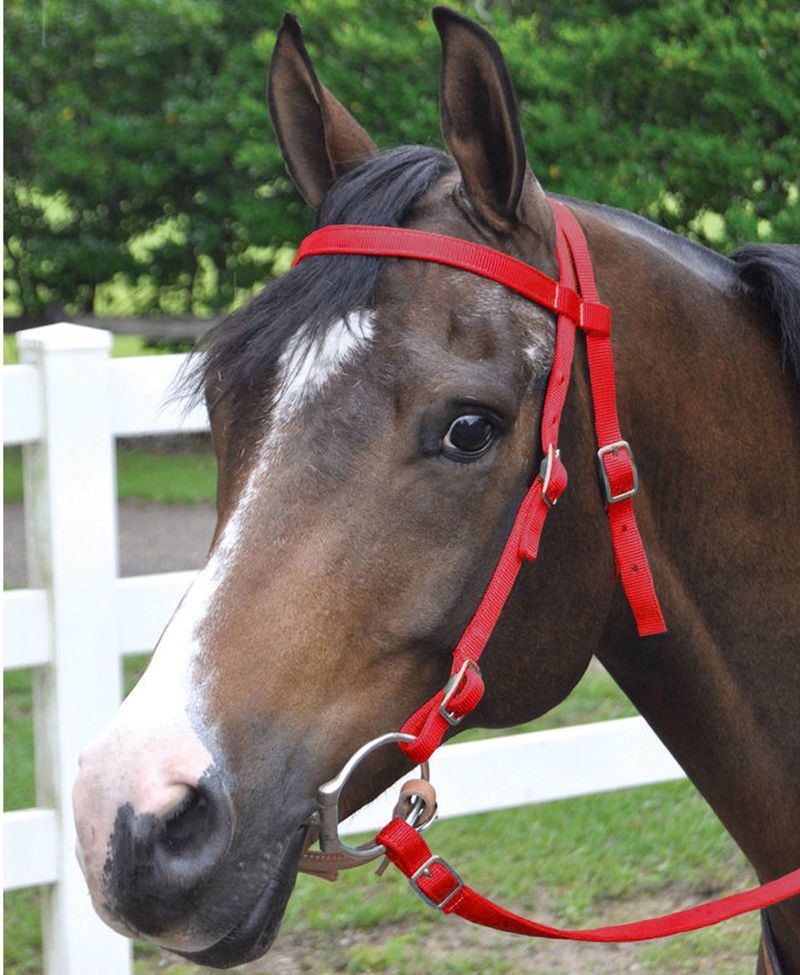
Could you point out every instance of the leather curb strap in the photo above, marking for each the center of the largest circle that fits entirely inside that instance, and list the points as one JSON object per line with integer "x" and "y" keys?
{"x": 328, "y": 866}
{"x": 576, "y": 305}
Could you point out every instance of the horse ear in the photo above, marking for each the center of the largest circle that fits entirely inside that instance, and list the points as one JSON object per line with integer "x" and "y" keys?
{"x": 480, "y": 124}
{"x": 319, "y": 139}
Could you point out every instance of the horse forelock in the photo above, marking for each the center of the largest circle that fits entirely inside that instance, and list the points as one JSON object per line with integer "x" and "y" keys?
{"x": 244, "y": 354}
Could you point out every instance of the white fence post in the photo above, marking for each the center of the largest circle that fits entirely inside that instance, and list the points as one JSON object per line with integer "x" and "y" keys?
{"x": 70, "y": 501}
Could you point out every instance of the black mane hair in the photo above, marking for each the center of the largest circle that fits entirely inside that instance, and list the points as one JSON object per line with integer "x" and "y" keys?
{"x": 770, "y": 273}
{"x": 241, "y": 353}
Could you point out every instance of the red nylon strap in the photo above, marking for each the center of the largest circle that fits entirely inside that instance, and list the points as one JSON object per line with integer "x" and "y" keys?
{"x": 431, "y": 877}
{"x": 428, "y": 724}
{"x": 615, "y": 459}
{"x": 441, "y": 887}
{"x": 454, "y": 252}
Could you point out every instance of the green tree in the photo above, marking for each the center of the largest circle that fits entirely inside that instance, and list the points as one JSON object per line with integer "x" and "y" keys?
{"x": 138, "y": 146}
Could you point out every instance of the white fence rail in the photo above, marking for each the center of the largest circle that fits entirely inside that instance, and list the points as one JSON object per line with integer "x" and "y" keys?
{"x": 65, "y": 404}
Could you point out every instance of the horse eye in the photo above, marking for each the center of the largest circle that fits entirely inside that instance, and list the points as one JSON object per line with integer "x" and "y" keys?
{"x": 469, "y": 436}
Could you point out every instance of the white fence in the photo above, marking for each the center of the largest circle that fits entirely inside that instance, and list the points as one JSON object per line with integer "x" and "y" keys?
{"x": 65, "y": 403}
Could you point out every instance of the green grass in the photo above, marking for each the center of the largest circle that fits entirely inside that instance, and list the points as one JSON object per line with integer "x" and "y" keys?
{"x": 578, "y": 862}
{"x": 185, "y": 477}
{"x": 142, "y": 475}
{"x": 12, "y": 474}
{"x": 18, "y": 782}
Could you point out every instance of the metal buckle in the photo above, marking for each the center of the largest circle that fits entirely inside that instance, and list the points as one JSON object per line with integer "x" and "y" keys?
{"x": 425, "y": 871}
{"x": 326, "y": 815}
{"x": 614, "y": 448}
{"x": 546, "y": 472}
{"x": 450, "y": 688}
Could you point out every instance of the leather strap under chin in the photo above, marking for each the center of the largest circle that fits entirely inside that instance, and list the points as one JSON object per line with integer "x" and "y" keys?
{"x": 327, "y": 866}
{"x": 768, "y": 949}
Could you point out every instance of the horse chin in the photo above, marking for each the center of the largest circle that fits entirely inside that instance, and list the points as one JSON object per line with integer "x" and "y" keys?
{"x": 254, "y": 933}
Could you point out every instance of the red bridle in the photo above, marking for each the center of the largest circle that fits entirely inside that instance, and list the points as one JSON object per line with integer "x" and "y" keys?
{"x": 620, "y": 478}
{"x": 430, "y": 876}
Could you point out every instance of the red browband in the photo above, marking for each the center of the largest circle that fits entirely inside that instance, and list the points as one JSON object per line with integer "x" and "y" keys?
{"x": 590, "y": 316}
{"x": 430, "y": 876}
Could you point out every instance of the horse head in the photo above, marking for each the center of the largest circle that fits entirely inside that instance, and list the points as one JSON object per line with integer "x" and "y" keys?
{"x": 375, "y": 423}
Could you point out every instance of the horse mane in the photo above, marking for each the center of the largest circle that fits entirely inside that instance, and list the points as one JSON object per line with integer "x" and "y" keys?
{"x": 770, "y": 274}
{"x": 240, "y": 355}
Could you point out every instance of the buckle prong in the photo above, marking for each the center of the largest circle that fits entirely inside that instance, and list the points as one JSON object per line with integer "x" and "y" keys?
{"x": 425, "y": 871}
{"x": 546, "y": 472}
{"x": 614, "y": 448}
{"x": 450, "y": 689}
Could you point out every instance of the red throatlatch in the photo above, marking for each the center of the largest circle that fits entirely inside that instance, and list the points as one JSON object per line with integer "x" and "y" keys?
{"x": 431, "y": 877}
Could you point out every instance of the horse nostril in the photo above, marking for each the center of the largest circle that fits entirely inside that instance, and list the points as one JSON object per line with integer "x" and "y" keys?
{"x": 192, "y": 838}
{"x": 158, "y": 859}
{"x": 185, "y": 825}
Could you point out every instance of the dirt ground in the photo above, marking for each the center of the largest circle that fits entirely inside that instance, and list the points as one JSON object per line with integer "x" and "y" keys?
{"x": 450, "y": 945}
{"x": 480, "y": 950}
{"x": 432, "y": 944}
{"x": 152, "y": 538}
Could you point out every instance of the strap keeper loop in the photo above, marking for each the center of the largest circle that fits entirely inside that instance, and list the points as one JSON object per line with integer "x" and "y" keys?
{"x": 595, "y": 319}
{"x": 567, "y": 302}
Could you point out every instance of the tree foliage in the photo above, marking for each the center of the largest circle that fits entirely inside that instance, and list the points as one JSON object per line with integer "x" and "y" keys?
{"x": 139, "y": 150}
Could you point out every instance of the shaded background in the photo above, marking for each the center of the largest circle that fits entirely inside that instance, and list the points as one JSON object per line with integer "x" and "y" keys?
{"x": 142, "y": 177}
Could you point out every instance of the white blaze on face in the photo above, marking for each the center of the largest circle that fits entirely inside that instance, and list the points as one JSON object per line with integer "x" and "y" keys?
{"x": 161, "y": 740}
{"x": 306, "y": 366}
{"x": 540, "y": 346}
{"x": 171, "y": 684}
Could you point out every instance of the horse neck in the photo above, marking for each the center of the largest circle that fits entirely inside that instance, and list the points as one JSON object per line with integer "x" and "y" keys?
{"x": 714, "y": 423}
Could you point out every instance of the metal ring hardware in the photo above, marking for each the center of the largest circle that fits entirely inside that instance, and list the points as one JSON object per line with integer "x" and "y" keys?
{"x": 328, "y": 801}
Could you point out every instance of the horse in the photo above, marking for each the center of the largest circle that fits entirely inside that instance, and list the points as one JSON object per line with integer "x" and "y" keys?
{"x": 374, "y": 422}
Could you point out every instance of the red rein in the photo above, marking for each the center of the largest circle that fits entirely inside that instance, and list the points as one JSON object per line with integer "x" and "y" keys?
{"x": 430, "y": 876}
